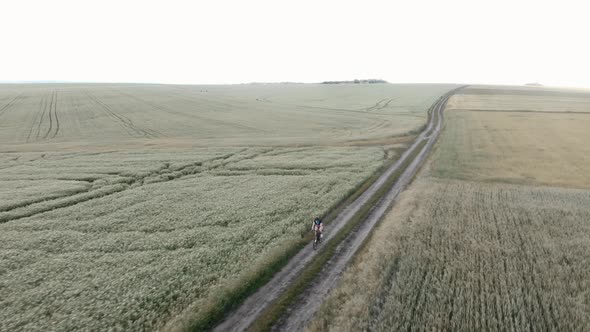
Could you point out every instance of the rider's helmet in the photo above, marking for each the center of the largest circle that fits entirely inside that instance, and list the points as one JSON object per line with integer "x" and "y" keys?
{"x": 317, "y": 220}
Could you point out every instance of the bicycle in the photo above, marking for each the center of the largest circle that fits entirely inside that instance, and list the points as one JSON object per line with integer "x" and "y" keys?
{"x": 317, "y": 239}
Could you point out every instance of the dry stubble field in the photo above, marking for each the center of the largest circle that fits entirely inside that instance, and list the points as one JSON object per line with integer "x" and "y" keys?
{"x": 147, "y": 207}
{"x": 494, "y": 234}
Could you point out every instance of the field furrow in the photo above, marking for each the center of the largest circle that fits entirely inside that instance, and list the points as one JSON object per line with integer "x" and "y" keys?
{"x": 44, "y": 109}
{"x": 34, "y": 120}
{"x": 163, "y": 110}
{"x": 51, "y": 113}
{"x": 31, "y": 208}
{"x": 10, "y": 104}
{"x": 122, "y": 120}
{"x": 55, "y": 108}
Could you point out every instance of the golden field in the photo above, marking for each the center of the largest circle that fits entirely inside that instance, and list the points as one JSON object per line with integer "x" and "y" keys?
{"x": 494, "y": 233}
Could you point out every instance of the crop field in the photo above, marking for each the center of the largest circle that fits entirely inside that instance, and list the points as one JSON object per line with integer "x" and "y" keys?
{"x": 494, "y": 233}
{"x": 210, "y": 115}
{"x": 148, "y": 207}
{"x": 522, "y": 99}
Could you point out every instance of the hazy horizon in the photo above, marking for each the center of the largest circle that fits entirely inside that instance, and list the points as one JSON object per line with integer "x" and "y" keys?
{"x": 233, "y": 42}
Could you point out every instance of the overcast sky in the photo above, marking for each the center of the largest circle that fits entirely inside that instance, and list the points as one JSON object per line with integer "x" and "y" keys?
{"x": 220, "y": 41}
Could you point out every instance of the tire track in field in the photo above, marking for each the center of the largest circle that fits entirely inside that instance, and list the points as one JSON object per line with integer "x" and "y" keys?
{"x": 376, "y": 106}
{"x": 53, "y": 120}
{"x": 379, "y": 106}
{"x": 56, "y": 118}
{"x": 42, "y": 117}
{"x": 41, "y": 103}
{"x": 141, "y": 100}
{"x": 49, "y": 116}
{"x": 378, "y": 122}
{"x": 205, "y": 97}
{"x": 131, "y": 128}
{"x": 10, "y": 104}
{"x": 167, "y": 110}
{"x": 37, "y": 206}
{"x": 42, "y": 112}
{"x": 155, "y": 132}
{"x": 387, "y": 103}
{"x": 341, "y": 110}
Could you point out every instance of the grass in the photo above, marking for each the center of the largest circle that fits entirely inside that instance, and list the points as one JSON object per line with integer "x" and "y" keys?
{"x": 151, "y": 204}
{"x": 475, "y": 245}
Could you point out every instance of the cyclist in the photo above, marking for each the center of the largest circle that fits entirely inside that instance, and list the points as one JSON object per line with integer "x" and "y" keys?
{"x": 318, "y": 225}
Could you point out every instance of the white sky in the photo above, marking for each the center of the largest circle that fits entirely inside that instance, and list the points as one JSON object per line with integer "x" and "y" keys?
{"x": 222, "y": 41}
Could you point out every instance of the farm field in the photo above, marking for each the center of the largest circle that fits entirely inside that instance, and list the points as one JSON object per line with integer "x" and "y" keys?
{"x": 171, "y": 115}
{"x": 494, "y": 233}
{"x": 522, "y": 99}
{"x": 148, "y": 207}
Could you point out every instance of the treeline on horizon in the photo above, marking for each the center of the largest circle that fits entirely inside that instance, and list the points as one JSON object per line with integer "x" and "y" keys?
{"x": 356, "y": 81}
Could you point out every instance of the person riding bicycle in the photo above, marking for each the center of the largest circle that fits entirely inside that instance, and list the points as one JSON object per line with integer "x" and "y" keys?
{"x": 318, "y": 225}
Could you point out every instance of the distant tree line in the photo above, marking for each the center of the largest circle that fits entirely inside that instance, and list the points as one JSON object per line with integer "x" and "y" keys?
{"x": 368, "y": 81}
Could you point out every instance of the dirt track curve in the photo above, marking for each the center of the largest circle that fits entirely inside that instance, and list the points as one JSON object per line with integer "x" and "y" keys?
{"x": 309, "y": 302}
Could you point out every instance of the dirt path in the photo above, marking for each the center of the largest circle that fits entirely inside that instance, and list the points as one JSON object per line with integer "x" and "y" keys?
{"x": 310, "y": 301}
